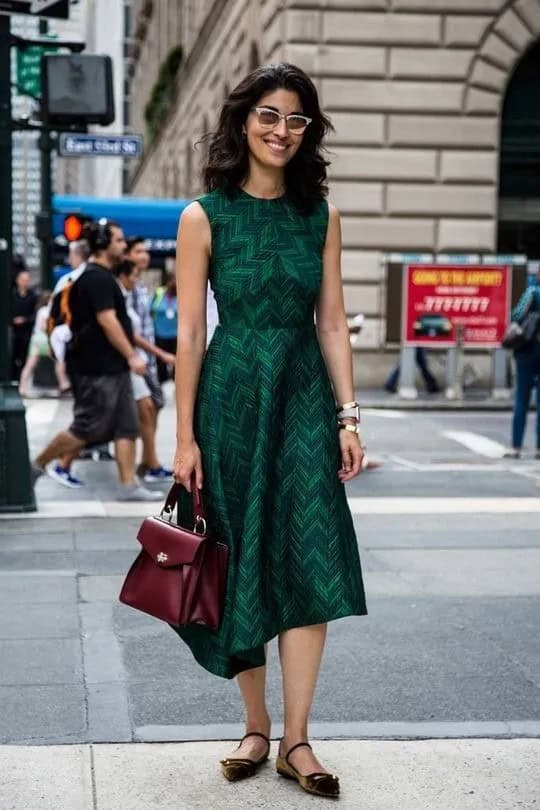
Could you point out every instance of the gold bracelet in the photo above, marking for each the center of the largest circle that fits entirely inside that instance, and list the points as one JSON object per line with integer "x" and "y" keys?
{"x": 350, "y": 428}
{"x": 353, "y": 404}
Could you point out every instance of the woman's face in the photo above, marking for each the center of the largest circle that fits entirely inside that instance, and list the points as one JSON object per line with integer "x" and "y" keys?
{"x": 274, "y": 147}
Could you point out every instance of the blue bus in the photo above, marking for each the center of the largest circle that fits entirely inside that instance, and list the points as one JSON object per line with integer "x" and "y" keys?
{"x": 154, "y": 219}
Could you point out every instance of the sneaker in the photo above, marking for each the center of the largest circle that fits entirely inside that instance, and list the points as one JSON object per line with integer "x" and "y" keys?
{"x": 136, "y": 492}
{"x": 35, "y": 473}
{"x": 64, "y": 477}
{"x": 512, "y": 453}
{"x": 157, "y": 475}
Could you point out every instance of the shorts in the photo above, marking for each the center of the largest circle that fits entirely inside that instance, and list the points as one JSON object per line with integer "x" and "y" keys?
{"x": 60, "y": 337}
{"x": 151, "y": 379}
{"x": 104, "y": 409}
{"x": 140, "y": 388}
{"x": 39, "y": 345}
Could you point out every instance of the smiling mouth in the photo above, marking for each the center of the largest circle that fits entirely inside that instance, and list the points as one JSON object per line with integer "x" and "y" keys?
{"x": 277, "y": 148}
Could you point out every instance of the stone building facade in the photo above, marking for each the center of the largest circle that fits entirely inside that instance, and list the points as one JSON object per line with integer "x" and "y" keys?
{"x": 414, "y": 88}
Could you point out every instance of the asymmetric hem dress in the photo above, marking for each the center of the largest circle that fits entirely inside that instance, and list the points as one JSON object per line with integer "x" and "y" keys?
{"x": 265, "y": 423}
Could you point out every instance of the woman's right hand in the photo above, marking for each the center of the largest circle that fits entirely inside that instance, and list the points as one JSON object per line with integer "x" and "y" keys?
{"x": 186, "y": 460}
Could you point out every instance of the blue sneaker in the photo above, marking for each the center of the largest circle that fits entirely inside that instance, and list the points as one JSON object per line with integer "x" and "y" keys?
{"x": 158, "y": 475}
{"x": 64, "y": 477}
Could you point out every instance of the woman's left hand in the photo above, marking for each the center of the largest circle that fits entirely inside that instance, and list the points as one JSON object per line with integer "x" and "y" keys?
{"x": 352, "y": 455}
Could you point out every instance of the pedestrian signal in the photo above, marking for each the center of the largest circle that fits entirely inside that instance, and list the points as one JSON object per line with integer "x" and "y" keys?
{"x": 73, "y": 227}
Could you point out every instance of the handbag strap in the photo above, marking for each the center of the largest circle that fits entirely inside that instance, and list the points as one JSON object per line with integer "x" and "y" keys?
{"x": 199, "y": 510}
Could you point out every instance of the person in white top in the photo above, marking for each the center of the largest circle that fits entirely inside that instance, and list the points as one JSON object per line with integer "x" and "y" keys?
{"x": 126, "y": 275}
{"x": 61, "y": 334}
{"x": 39, "y": 347}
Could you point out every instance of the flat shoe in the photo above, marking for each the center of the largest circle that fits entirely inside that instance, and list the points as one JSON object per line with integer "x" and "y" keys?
{"x": 319, "y": 784}
{"x": 236, "y": 768}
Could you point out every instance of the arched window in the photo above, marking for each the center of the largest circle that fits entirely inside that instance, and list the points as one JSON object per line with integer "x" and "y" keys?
{"x": 519, "y": 191}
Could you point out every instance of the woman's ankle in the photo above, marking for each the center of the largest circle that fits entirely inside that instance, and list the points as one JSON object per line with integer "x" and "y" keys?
{"x": 259, "y": 722}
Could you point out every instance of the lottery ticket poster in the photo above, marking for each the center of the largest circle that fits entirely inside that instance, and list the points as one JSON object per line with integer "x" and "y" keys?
{"x": 441, "y": 299}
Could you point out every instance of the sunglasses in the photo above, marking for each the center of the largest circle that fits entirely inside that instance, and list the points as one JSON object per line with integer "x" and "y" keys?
{"x": 270, "y": 118}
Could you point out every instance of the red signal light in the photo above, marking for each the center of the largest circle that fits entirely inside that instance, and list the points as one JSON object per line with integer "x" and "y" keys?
{"x": 73, "y": 227}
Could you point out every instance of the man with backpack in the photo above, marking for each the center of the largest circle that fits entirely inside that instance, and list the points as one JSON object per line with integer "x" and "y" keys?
{"x": 100, "y": 356}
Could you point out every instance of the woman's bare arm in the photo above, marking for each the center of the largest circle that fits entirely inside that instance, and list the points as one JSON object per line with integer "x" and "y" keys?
{"x": 192, "y": 260}
{"x": 332, "y": 327}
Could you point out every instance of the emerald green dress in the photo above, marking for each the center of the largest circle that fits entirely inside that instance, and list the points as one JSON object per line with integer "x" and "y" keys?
{"x": 265, "y": 422}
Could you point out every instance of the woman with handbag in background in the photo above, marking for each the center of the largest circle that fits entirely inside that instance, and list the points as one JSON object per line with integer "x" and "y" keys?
{"x": 266, "y": 419}
{"x": 527, "y": 357}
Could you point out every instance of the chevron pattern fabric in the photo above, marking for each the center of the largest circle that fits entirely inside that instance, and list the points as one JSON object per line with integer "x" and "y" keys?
{"x": 266, "y": 425}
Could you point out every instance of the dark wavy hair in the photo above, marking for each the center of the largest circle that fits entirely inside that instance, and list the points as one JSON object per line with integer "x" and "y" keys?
{"x": 227, "y": 164}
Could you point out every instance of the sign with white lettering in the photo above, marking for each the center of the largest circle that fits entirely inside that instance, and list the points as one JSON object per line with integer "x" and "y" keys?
{"x": 80, "y": 145}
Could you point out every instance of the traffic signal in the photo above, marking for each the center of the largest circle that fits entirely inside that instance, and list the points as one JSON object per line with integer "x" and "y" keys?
{"x": 77, "y": 89}
{"x": 73, "y": 226}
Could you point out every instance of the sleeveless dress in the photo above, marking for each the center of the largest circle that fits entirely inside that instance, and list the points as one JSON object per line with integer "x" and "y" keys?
{"x": 265, "y": 423}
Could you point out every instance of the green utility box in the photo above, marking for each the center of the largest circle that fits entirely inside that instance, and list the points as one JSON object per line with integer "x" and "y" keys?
{"x": 16, "y": 491}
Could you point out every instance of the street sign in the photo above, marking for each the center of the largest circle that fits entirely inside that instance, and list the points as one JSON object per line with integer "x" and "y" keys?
{"x": 57, "y": 9}
{"x": 29, "y": 69}
{"x": 439, "y": 300}
{"x": 79, "y": 145}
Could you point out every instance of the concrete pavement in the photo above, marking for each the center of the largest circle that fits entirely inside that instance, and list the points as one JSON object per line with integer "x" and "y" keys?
{"x": 431, "y": 701}
{"x": 384, "y": 775}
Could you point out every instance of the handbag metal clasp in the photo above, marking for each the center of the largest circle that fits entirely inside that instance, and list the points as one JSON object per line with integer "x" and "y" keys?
{"x": 198, "y": 522}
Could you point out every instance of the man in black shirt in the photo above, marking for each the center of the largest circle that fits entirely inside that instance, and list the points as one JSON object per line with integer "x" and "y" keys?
{"x": 23, "y": 314}
{"x": 100, "y": 356}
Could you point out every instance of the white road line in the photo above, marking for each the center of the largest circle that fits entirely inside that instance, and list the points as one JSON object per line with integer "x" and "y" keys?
{"x": 358, "y": 506}
{"x": 384, "y": 413}
{"x": 475, "y": 442}
{"x": 443, "y": 506}
{"x": 41, "y": 412}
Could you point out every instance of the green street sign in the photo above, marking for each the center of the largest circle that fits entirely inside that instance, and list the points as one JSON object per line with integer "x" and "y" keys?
{"x": 29, "y": 69}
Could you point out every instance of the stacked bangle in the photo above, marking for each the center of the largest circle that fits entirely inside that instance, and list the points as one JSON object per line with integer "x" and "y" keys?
{"x": 349, "y": 410}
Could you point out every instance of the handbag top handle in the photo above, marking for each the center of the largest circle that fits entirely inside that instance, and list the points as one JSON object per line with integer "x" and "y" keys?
{"x": 198, "y": 505}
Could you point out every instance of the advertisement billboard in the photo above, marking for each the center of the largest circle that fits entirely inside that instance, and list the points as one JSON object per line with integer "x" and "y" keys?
{"x": 439, "y": 300}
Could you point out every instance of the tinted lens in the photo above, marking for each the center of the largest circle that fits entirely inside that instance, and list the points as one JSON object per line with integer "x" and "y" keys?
{"x": 268, "y": 118}
{"x": 296, "y": 123}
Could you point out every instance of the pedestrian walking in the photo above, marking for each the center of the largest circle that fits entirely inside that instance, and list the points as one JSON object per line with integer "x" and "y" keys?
{"x": 100, "y": 357}
{"x": 39, "y": 347}
{"x": 126, "y": 273}
{"x": 420, "y": 356}
{"x": 257, "y": 413}
{"x": 138, "y": 300}
{"x": 23, "y": 313}
{"x": 164, "y": 309}
{"x": 527, "y": 359}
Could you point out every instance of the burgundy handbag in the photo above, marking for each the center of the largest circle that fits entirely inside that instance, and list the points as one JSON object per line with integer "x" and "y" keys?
{"x": 179, "y": 575}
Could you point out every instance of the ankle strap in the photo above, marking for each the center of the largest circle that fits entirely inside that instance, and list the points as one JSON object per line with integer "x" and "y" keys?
{"x": 293, "y": 748}
{"x": 255, "y": 734}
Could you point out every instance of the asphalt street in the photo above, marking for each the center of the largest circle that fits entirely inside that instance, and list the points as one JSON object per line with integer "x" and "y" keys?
{"x": 450, "y": 546}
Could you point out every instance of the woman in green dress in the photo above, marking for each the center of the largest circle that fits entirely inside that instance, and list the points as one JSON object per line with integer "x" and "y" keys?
{"x": 266, "y": 417}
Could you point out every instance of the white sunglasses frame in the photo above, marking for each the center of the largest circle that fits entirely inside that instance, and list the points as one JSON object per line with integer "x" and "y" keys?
{"x": 281, "y": 117}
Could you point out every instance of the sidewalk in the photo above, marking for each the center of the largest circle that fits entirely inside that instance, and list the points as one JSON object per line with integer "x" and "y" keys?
{"x": 381, "y": 775}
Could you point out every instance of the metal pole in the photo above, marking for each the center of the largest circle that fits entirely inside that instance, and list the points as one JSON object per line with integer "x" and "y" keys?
{"x": 45, "y": 144}
{"x": 407, "y": 385}
{"x": 5, "y": 196}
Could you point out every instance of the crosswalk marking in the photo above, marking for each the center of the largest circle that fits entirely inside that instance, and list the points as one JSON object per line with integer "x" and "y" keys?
{"x": 358, "y": 506}
{"x": 41, "y": 412}
{"x": 476, "y": 442}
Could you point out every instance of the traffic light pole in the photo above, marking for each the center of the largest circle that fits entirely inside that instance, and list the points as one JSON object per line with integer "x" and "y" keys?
{"x": 46, "y": 144}
{"x": 16, "y": 492}
{"x": 5, "y": 196}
